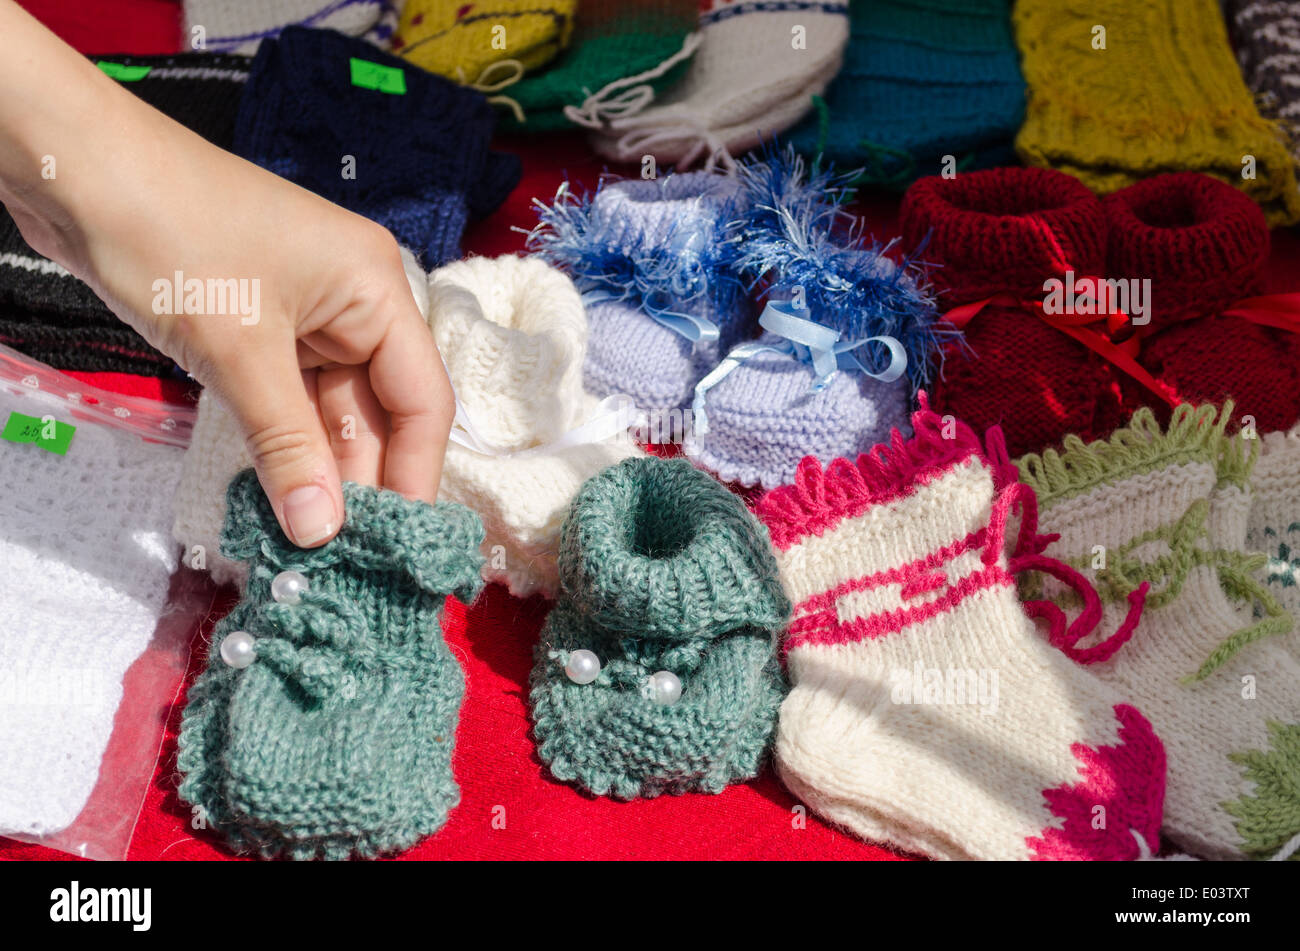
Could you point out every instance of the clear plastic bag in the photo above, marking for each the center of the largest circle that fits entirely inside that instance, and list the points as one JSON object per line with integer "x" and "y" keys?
{"x": 95, "y": 621}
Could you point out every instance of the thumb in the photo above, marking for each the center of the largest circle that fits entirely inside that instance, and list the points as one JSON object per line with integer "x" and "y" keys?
{"x": 288, "y": 445}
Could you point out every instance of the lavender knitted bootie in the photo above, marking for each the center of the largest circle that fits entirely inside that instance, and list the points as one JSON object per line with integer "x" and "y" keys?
{"x": 654, "y": 265}
{"x": 849, "y": 336}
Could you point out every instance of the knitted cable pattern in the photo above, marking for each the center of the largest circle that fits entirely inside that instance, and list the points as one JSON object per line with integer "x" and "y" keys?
{"x": 1141, "y": 506}
{"x": 662, "y": 569}
{"x": 921, "y": 79}
{"x": 1162, "y": 95}
{"x": 1001, "y": 234}
{"x": 421, "y": 160}
{"x": 901, "y": 566}
{"x": 337, "y": 739}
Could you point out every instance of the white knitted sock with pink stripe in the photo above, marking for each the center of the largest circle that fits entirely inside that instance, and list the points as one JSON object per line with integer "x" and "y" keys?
{"x": 926, "y": 711}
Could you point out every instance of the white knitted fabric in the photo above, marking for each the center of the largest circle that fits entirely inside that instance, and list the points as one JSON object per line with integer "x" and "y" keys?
{"x": 1274, "y": 519}
{"x": 86, "y": 560}
{"x": 926, "y": 711}
{"x": 216, "y": 455}
{"x": 747, "y": 83}
{"x": 1210, "y": 675}
{"x": 513, "y": 333}
{"x": 239, "y": 26}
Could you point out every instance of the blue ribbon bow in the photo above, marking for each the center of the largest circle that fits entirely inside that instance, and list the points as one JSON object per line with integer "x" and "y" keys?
{"x": 808, "y": 342}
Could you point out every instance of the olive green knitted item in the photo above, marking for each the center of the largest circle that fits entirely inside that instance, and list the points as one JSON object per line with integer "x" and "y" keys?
{"x": 337, "y": 738}
{"x": 661, "y": 569}
{"x": 612, "y": 42}
{"x": 1163, "y": 95}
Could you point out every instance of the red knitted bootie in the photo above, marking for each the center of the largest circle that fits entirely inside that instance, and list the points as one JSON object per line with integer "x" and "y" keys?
{"x": 1204, "y": 246}
{"x": 1003, "y": 233}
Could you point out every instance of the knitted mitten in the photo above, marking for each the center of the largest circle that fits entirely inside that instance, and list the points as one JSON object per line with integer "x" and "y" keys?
{"x": 56, "y": 318}
{"x": 512, "y": 332}
{"x": 654, "y": 265}
{"x": 1156, "y": 91}
{"x": 921, "y": 80}
{"x": 1220, "y": 690}
{"x": 1203, "y": 246}
{"x": 462, "y": 40}
{"x": 757, "y": 70}
{"x": 216, "y": 455}
{"x": 323, "y": 725}
{"x": 235, "y": 26}
{"x": 1002, "y": 234}
{"x": 1274, "y": 520}
{"x": 847, "y": 332}
{"x": 925, "y": 710}
{"x": 657, "y": 670}
{"x": 623, "y": 52}
{"x": 86, "y": 562}
{"x": 1266, "y": 36}
{"x": 418, "y": 143}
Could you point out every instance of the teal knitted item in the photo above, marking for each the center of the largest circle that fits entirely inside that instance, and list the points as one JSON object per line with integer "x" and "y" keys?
{"x": 921, "y": 79}
{"x": 661, "y": 569}
{"x": 337, "y": 738}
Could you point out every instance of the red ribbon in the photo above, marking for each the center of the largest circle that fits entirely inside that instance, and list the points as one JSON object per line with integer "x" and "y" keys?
{"x": 1271, "y": 310}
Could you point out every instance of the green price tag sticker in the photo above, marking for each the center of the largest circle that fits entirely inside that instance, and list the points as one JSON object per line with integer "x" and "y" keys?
{"x": 376, "y": 76}
{"x": 123, "y": 73}
{"x": 46, "y": 432}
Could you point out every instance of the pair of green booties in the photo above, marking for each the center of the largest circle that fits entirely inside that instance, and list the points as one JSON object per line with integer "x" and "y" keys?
{"x": 324, "y": 724}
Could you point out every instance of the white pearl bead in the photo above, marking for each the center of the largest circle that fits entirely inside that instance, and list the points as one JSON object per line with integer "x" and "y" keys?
{"x": 583, "y": 667}
{"x": 665, "y": 688}
{"x": 238, "y": 649}
{"x": 288, "y": 587}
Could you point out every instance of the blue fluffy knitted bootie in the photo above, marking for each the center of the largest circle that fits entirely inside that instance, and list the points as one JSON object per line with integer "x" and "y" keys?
{"x": 324, "y": 723}
{"x": 657, "y": 669}
{"x": 849, "y": 335}
{"x": 654, "y": 264}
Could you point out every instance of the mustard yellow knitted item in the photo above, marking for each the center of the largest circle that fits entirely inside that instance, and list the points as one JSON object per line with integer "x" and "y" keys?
{"x": 460, "y": 40}
{"x": 1120, "y": 91}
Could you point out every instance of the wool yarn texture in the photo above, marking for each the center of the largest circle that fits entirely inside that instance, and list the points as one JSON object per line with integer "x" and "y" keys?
{"x": 1203, "y": 246}
{"x": 87, "y": 561}
{"x": 513, "y": 334}
{"x": 1266, "y": 36}
{"x": 216, "y": 455}
{"x": 999, "y": 235}
{"x": 771, "y": 402}
{"x": 665, "y": 575}
{"x": 1216, "y": 681}
{"x": 374, "y": 134}
{"x": 623, "y": 53}
{"x": 757, "y": 69}
{"x": 234, "y": 26}
{"x": 654, "y": 261}
{"x": 335, "y": 739}
{"x": 54, "y": 317}
{"x": 462, "y": 41}
{"x": 924, "y": 83}
{"x": 1155, "y": 90}
{"x": 925, "y": 710}
{"x": 1274, "y": 520}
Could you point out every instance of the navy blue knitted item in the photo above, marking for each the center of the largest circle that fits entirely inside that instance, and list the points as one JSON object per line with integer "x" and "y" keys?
{"x": 422, "y": 163}
{"x": 921, "y": 79}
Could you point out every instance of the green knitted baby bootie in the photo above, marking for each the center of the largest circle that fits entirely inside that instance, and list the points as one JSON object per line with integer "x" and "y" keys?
{"x": 324, "y": 722}
{"x": 657, "y": 668}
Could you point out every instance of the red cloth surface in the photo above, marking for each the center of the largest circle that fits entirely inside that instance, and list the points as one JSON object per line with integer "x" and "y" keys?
{"x": 509, "y": 807}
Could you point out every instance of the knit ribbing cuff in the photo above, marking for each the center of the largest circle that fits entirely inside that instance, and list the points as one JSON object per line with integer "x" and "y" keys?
{"x": 1003, "y": 229}
{"x": 652, "y": 549}
{"x": 434, "y": 546}
{"x": 1201, "y": 243}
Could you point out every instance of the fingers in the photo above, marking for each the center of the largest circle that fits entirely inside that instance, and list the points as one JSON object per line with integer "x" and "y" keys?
{"x": 355, "y": 421}
{"x": 409, "y": 380}
{"x": 288, "y": 445}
